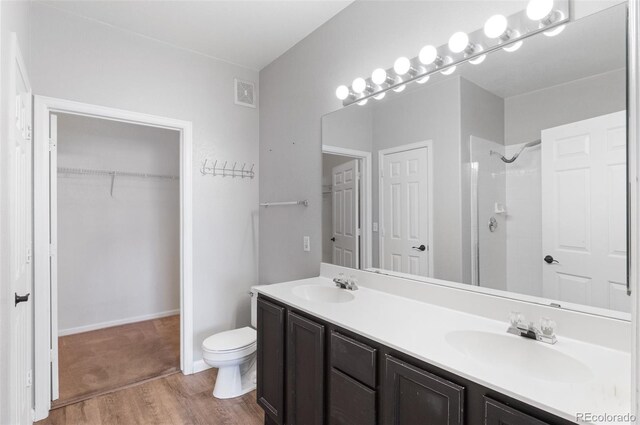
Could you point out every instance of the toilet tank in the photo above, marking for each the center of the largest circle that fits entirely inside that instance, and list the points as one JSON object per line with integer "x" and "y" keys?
{"x": 254, "y": 308}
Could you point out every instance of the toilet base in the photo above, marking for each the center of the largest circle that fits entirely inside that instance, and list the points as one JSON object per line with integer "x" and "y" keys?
{"x": 235, "y": 381}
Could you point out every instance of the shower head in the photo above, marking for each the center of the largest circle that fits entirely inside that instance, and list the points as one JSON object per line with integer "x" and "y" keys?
{"x": 514, "y": 157}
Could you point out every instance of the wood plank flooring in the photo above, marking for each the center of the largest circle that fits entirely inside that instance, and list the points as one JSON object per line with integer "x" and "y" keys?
{"x": 175, "y": 399}
{"x": 100, "y": 361}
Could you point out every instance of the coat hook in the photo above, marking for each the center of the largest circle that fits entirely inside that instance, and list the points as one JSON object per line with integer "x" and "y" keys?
{"x": 204, "y": 167}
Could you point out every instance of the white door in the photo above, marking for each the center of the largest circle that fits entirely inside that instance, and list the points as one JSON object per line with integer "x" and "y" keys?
{"x": 346, "y": 213}
{"x": 584, "y": 212}
{"x": 53, "y": 250}
{"x": 405, "y": 242}
{"x": 21, "y": 221}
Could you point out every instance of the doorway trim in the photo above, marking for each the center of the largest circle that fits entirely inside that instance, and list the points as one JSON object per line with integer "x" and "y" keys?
{"x": 366, "y": 198}
{"x": 428, "y": 144}
{"x": 43, "y": 107}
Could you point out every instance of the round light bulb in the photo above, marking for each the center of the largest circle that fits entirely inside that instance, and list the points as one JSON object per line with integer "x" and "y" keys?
{"x": 555, "y": 31}
{"x": 400, "y": 88}
{"x": 478, "y": 60}
{"x": 379, "y": 76}
{"x": 539, "y": 9}
{"x": 446, "y": 61}
{"x": 402, "y": 65}
{"x": 495, "y": 26}
{"x": 342, "y": 92}
{"x": 448, "y": 71}
{"x": 423, "y": 79}
{"x": 359, "y": 85}
{"x": 428, "y": 55}
{"x": 380, "y": 96}
{"x": 458, "y": 42}
{"x": 363, "y": 102}
{"x": 513, "y": 47}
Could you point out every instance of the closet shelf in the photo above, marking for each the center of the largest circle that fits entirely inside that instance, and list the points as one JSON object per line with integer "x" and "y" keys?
{"x": 113, "y": 174}
{"x": 110, "y": 173}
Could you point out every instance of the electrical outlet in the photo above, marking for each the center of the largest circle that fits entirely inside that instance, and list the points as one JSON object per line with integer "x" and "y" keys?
{"x": 306, "y": 244}
{"x": 375, "y": 227}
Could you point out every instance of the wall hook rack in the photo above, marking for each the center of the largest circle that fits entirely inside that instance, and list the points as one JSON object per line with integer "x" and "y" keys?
{"x": 224, "y": 171}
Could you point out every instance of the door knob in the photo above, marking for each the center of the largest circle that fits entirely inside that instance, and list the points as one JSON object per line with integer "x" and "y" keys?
{"x": 21, "y": 298}
{"x": 333, "y": 239}
{"x": 419, "y": 248}
{"x": 549, "y": 260}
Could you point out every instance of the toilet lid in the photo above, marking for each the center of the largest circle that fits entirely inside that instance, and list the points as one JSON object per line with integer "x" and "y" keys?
{"x": 235, "y": 339}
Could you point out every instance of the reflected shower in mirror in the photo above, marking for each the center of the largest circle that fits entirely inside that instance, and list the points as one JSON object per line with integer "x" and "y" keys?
{"x": 509, "y": 175}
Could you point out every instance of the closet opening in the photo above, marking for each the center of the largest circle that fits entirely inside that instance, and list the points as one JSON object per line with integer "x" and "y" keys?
{"x": 114, "y": 217}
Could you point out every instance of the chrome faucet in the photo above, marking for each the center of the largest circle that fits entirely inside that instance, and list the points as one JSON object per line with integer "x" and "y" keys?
{"x": 546, "y": 332}
{"x": 350, "y": 283}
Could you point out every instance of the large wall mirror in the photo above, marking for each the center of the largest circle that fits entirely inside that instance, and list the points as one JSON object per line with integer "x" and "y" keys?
{"x": 509, "y": 175}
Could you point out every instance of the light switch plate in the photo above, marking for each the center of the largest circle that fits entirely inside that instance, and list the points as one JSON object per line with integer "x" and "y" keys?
{"x": 306, "y": 244}
{"x": 375, "y": 226}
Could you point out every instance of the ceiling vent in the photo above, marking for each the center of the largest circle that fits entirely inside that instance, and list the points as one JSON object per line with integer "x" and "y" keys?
{"x": 245, "y": 93}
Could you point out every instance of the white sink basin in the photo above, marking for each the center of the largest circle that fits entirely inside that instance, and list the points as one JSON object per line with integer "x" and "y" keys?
{"x": 323, "y": 294}
{"x": 524, "y": 356}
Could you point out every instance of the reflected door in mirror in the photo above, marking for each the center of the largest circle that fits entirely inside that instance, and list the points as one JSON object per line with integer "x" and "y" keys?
{"x": 346, "y": 211}
{"x": 405, "y": 243}
{"x": 584, "y": 212}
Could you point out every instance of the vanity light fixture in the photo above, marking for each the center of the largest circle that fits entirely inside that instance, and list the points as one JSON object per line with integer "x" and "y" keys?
{"x": 359, "y": 85}
{"x": 380, "y": 77}
{"x": 544, "y": 12}
{"x": 342, "y": 92}
{"x": 499, "y": 32}
{"x": 497, "y": 26}
{"x": 451, "y": 69}
{"x": 458, "y": 43}
{"x": 537, "y": 10}
{"x": 429, "y": 55}
{"x": 513, "y": 47}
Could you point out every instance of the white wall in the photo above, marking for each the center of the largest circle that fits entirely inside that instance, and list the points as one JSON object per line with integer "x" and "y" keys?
{"x": 118, "y": 255}
{"x": 299, "y": 87}
{"x": 14, "y": 17}
{"x": 527, "y": 114}
{"x": 86, "y": 61}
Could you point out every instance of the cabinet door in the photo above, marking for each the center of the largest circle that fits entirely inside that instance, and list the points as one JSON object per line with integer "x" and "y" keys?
{"x": 413, "y": 396}
{"x": 350, "y": 402}
{"x": 499, "y": 414}
{"x": 270, "y": 386}
{"x": 305, "y": 371}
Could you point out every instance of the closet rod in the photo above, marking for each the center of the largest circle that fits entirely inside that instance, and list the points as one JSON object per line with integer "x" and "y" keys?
{"x": 111, "y": 173}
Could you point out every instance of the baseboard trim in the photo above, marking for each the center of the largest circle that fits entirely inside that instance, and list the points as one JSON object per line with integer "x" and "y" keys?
{"x": 102, "y": 325}
{"x": 200, "y": 366}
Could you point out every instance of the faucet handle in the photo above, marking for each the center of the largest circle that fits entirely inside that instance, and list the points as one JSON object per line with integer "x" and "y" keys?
{"x": 516, "y": 318}
{"x": 547, "y": 326}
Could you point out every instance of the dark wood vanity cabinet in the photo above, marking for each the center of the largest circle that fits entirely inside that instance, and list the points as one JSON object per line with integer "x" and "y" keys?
{"x": 270, "y": 358}
{"x": 499, "y": 414}
{"x": 311, "y": 372}
{"x": 413, "y": 396}
{"x": 305, "y": 371}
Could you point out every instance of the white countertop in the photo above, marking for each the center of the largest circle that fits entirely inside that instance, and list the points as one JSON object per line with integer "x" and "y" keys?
{"x": 420, "y": 330}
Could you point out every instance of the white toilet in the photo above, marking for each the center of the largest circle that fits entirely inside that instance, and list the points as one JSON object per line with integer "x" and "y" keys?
{"x": 234, "y": 354}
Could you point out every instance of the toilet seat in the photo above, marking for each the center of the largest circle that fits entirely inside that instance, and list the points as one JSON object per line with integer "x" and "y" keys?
{"x": 233, "y": 341}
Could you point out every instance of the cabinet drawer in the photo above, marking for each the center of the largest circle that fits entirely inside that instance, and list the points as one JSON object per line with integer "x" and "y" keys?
{"x": 354, "y": 358}
{"x": 496, "y": 413}
{"x": 351, "y": 403}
